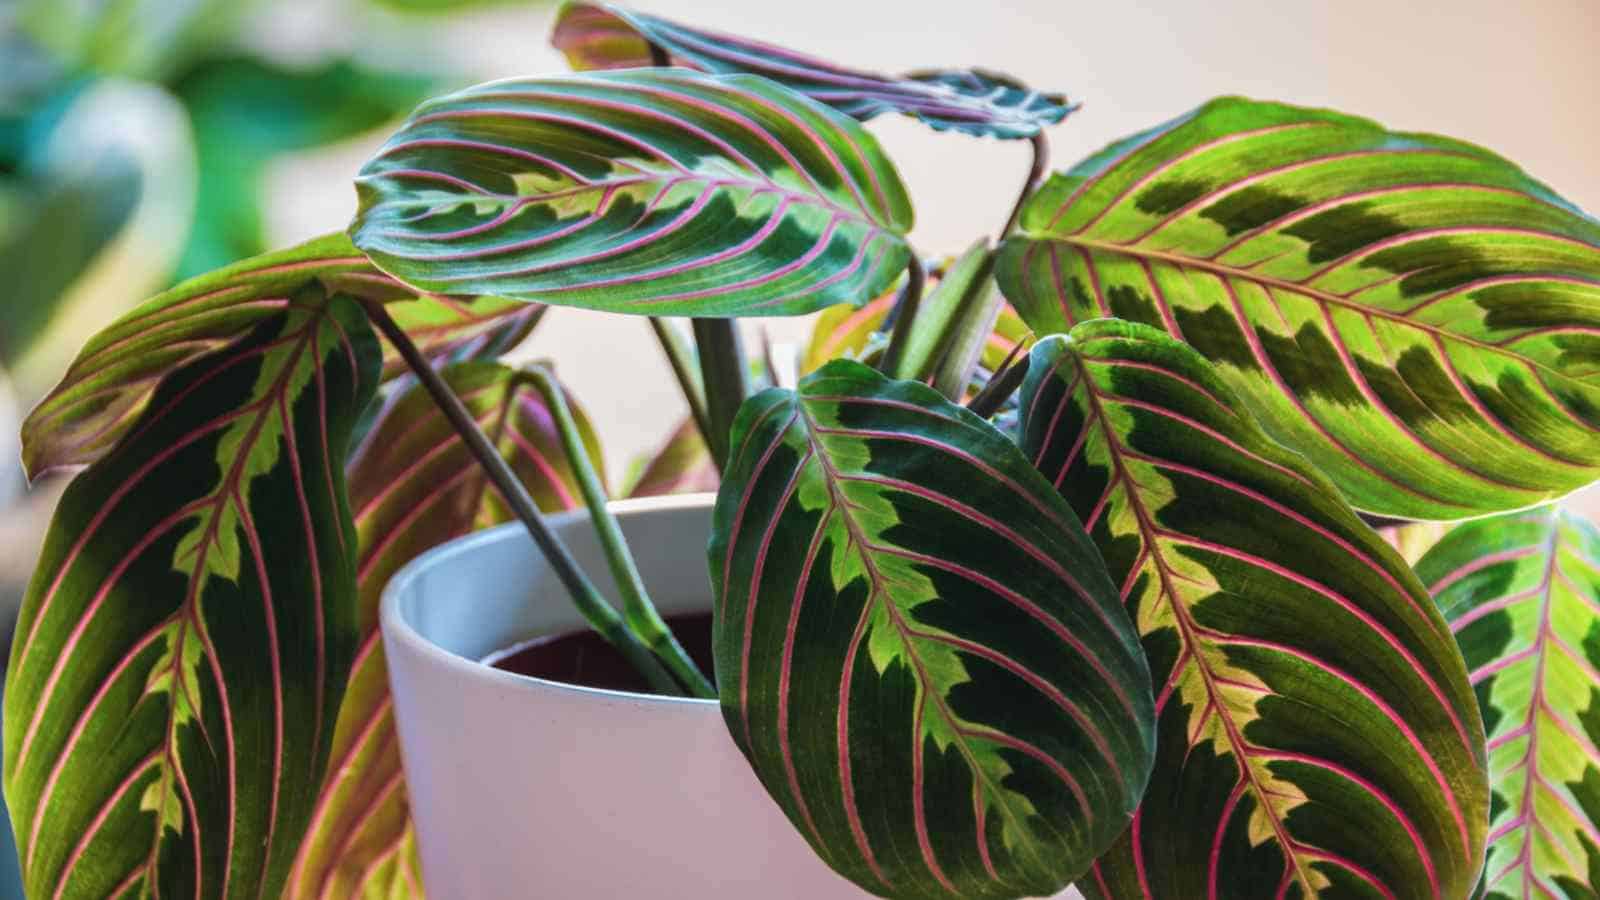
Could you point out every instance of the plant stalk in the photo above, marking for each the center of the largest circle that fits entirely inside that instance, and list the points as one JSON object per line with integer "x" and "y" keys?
{"x": 601, "y": 616}
{"x": 723, "y": 369}
{"x": 1041, "y": 159}
{"x": 905, "y": 314}
{"x": 1005, "y": 382}
{"x": 683, "y": 369}
{"x": 638, "y": 610}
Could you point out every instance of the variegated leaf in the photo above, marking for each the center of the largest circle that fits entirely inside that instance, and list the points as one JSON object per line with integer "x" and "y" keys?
{"x": 413, "y": 486}
{"x": 110, "y": 383}
{"x": 682, "y": 465}
{"x": 917, "y": 646}
{"x": 976, "y": 102}
{"x": 659, "y": 192}
{"x": 1414, "y": 314}
{"x": 1316, "y": 733}
{"x": 848, "y": 332}
{"x": 1522, "y": 593}
{"x": 184, "y": 645}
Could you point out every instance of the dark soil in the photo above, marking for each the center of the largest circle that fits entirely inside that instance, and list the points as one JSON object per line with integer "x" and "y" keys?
{"x": 583, "y": 657}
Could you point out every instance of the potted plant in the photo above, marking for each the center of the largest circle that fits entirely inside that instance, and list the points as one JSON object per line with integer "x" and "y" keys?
{"x": 1110, "y": 612}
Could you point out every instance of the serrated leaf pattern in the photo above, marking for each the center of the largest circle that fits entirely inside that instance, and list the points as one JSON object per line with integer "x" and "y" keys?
{"x": 886, "y": 564}
{"x": 1316, "y": 733}
{"x": 183, "y": 647}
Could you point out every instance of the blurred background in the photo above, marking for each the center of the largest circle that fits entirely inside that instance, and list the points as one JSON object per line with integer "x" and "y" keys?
{"x": 144, "y": 141}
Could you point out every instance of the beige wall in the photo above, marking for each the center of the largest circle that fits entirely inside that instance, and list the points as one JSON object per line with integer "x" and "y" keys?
{"x": 1520, "y": 77}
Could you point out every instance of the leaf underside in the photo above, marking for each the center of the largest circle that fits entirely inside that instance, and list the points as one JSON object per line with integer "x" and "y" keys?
{"x": 183, "y": 647}
{"x": 1316, "y": 733}
{"x": 110, "y": 383}
{"x": 975, "y": 102}
{"x": 413, "y": 486}
{"x": 1522, "y": 593}
{"x": 916, "y": 645}
{"x": 659, "y": 192}
{"x": 1415, "y": 315}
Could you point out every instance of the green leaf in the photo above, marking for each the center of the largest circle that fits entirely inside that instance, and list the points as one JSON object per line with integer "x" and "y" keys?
{"x": 183, "y": 647}
{"x": 1414, "y": 314}
{"x": 973, "y": 101}
{"x": 1315, "y": 730}
{"x": 246, "y": 112}
{"x": 110, "y": 383}
{"x": 1522, "y": 593}
{"x": 413, "y": 486}
{"x": 917, "y": 646}
{"x": 651, "y": 192}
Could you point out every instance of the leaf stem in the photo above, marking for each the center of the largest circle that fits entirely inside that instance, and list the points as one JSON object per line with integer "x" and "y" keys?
{"x": 639, "y": 611}
{"x": 905, "y": 313}
{"x": 723, "y": 369}
{"x": 601, "y": 616}
{"x": 1002, "y": 385}
{"x": 683, "y": 368}
{"x": 1041, "y": 159}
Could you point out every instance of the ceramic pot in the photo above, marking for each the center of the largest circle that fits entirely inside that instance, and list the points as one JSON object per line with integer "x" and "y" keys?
{"x": 526, "y": 788}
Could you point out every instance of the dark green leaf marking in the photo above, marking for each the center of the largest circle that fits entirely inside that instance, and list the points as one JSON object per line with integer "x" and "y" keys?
{"x": 1316, "y": 733}
{"x": 917, "y": 646}
{"x": 1414, "y": 314}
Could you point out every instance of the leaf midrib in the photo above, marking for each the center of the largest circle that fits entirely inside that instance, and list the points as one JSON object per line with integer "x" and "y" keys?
{"x": 1186, "y": 629}
{"x": 1316, "y": 294}
{"x": 836, "y": 496}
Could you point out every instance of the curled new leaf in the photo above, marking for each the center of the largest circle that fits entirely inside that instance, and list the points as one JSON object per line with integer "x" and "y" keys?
{"x": 184, "y": 644}
{"x": 413, "y": 486}
{"x": 607, "y": 36}
{"x": 1316, "y": 733}
{"x": 111, "y": 381}
{"x": 917, "y": 646}
{"x": 653, "y": 192}
{"x": 1414, "y": 314}
{"x": 1522, "y": 593}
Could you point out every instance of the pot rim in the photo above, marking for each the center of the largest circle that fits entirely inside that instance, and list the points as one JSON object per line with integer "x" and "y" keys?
{"x": 397, "y": 630}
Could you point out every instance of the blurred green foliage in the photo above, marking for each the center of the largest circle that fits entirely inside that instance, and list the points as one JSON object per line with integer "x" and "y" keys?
{"x": 59, "y": 211}
{"x": 247, "y": 111}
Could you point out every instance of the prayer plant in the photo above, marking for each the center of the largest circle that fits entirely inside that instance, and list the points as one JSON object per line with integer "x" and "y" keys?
{"x": 1069, "y": 581}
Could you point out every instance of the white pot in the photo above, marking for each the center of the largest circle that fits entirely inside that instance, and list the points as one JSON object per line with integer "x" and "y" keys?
{"x": 526, "y": 788}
